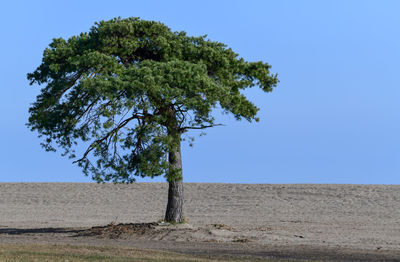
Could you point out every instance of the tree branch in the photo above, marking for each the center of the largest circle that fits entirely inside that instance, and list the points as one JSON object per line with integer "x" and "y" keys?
{"x": 72, "y": 83}
{"x": 198, "y": 127}
{"x": 108, "y": 135}
{"x": 88, "y": 108}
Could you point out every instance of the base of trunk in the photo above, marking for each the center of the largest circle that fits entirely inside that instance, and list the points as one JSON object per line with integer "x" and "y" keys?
{"x": 175, "y": 202}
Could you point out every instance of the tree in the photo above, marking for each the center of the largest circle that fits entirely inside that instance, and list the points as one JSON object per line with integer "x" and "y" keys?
{"x": 128, "y": 89}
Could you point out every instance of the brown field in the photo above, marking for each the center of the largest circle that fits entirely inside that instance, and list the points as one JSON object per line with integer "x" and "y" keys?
{"x": 225, "y": 221}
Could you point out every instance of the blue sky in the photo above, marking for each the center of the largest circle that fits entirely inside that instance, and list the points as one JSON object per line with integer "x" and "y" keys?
{"x": 334, "y": 117}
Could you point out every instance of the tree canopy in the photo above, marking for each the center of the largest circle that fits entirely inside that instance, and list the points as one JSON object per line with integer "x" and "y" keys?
{"x": 129, "y": 88}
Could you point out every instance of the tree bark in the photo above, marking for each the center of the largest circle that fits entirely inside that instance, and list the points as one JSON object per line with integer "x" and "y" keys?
{"x": 174, "y": 178}
{"x": 175, "y": 202}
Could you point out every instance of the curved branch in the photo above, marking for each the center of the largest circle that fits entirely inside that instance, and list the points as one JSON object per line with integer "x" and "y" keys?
{"x": 88, "y": 108}
{"x": 108, "y": 135}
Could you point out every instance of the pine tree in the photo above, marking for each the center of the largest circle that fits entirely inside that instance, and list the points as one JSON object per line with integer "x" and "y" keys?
{"x": 129, "y": 89}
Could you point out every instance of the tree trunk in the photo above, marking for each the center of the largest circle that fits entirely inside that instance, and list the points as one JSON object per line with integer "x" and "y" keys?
{"x": 175, "y": 202}
{"x": 175, "y": 190}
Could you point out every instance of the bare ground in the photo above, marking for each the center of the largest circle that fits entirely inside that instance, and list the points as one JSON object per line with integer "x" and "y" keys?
{"x": 324, "y": 222}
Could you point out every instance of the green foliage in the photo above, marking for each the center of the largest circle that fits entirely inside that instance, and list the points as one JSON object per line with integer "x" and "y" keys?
{"x": 129, "y": 88}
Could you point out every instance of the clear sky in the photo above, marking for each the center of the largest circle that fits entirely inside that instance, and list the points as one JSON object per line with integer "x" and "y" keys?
{"x": 334, "y": 117}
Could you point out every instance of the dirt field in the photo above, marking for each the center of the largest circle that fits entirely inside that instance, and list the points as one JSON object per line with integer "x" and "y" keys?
{"x": 333, "y": 222}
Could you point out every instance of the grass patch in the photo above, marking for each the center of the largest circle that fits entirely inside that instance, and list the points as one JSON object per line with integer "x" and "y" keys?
{"x": 22, "y": 253}
{"x": 69, "y": 253}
